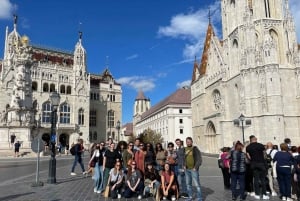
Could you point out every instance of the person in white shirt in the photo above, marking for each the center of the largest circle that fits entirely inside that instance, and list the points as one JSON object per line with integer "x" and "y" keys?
{"x": 270, "y": 151}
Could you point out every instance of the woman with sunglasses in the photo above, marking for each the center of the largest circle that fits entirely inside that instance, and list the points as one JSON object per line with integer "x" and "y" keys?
{"x": 150, "y": 155}
{"x": 134, "y": 182}
{"x": 97, "y": 158}
{"x": 169, "y": 188}
{"x": 161, "y": 156}
{"x": 128, "y": 156}
{"x": 115, "y": 181}
{"x": 152, "y": 180}
{"x": 139, "y": 157}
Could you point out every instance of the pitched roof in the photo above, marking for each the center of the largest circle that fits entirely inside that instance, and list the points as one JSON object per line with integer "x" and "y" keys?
{"x": 141, "y": 96}
{"x": 129, "y": 129}
{"x": 181, "y": 96}
{"x": 209, "y": 34}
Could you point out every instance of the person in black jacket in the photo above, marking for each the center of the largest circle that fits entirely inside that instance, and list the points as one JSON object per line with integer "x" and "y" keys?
{"x": 78, "y": 159}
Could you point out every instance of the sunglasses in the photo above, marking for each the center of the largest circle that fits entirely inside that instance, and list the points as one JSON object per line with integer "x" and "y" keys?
{"x": 131, "y": 145}
{"x": 141, "y": 145}
{"x": 118, "y": 165}
{"x": 170, "y": 147}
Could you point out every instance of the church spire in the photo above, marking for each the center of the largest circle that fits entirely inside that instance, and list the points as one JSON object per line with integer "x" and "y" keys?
{"x": 15, "y": 21}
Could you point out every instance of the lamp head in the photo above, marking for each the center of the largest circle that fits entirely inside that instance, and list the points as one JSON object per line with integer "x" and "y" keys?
{"x": 242, "y": 117}
{"x": 54, "y": 98}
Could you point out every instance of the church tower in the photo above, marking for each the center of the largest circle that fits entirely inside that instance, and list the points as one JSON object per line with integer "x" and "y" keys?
{"x": 254, "y": 71}
{"x": 141, "y": 105}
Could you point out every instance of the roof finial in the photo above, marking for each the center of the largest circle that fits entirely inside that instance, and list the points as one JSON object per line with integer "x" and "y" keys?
{"x": 209, "y": 16}
{"x": 107, "y": 62}
{"x": 15, "y": 20}
{"x": 80, "y": 35}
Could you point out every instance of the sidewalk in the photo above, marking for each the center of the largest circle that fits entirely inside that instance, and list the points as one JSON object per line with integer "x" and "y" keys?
{"x": 80, "y": 188}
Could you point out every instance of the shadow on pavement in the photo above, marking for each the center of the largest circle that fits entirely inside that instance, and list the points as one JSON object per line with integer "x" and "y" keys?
{"x": 205, "y": 192}
{"x": 10, "y": 197}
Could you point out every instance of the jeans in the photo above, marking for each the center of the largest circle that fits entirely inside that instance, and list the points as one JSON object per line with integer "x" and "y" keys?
{"x": 181, "y": 181}
{"x": 284, "y": 177}
{"x": 98, "y": 177}
{"x": 152, "y": 190}
{"x": 105, "y": 176}
{"x": 190, "y": 176}
{"x": 139, "y": 190}
{"x": 235, "y": 179}
{"x": 79, "y": 160}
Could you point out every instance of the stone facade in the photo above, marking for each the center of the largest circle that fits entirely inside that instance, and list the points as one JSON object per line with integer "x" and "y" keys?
{"x": 90, "y": 104}
{"x": 254, "y": 71}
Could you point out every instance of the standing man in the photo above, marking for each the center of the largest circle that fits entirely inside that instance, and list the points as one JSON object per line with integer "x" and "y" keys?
{"x": 17, "y": 148}
{"x": 181, "y": 167}
{"x": 78, "y": 151}
{"x": 193, "y": 160}
{"x": 256, "y": 155}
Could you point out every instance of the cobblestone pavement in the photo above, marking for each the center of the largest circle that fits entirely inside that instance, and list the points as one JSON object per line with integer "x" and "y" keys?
{"x": 80, "y": 188}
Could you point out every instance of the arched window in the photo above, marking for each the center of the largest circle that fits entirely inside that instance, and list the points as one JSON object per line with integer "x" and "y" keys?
{"x": 68, "y": 89}
{"x": 46, "y": 112}
{"x": 90, "y": 136}
{"x": 52, "y": 87}
{"x": 65, "y": 113}
{"x": 34, "y": 86}
{"x": 62, "y": 89}
{"x": 111, "y": 119}
{"x": 45, "y": 87}
{"x": 81, "y": 117}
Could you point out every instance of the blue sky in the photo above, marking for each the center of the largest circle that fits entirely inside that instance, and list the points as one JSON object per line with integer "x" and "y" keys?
{"x": 150, "y": 44}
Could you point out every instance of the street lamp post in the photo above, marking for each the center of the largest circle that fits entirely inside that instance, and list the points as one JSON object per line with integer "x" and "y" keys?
{"x": 118, "y": 127}
{"x": 242, "y": 119}
{"x": 55, "y": 99}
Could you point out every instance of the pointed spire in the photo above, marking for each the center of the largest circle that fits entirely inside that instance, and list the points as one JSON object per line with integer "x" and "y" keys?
{"x": 107, "y": 62}
{"x": 80, "y": 36}
{"x": 15, "y": 21}
{"x": 209, "y": 16}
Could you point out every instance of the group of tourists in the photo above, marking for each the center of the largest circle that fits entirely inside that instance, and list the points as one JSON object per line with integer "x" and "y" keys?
{"x": 261, "y": 171}
{"x": 137, "y": 169}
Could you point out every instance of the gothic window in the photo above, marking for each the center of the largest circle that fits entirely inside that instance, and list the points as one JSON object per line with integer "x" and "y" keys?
{"x": 65, "y": 113}
{"x": 217, "y": 100}
{"x": 232, "y": 3}
{"x": 34, "y": 86}
{"x": 81, "y": 117}
{"x": 111, "y": 119}
{"x": 267, "y": 8}
{"x": 93, "y": 118}
{"x": 90, "y": 136}
{"x": 46, "y": 112}
{"x": 69, "y": 90}
{"x": 45, "y": 87}
{"x": 52, "y": 87}
{"x": 62, "y": 89}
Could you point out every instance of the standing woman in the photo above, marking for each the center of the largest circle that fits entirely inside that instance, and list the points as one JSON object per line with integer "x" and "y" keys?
{"x": 97, "y": 158}
{"x": 150, "y": 155}
{"x": 110, "y": 158}
{"x": 284, "y": 161}
{"x": 139, "y": 157}
{"x": 225, "y": 157}
{"x": 134, "y": 182}
{"x": 160, "y": 156}
{"x": 238, "y": 170}
{"x": 115, "y": 181}
{"x": 169, "y": 188}
{"x": 92, "y": 164}
{"x": 128, "y": 156}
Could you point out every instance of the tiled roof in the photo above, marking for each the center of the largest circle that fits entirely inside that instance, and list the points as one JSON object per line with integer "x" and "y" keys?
{"x": 181, "y": 96}
{"x": 141, "y": 96}
{"x": 129, "y": 129}
{"x": 209, "y": 34}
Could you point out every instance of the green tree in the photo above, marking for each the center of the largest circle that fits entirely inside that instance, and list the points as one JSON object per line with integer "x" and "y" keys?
{"x": 150, "y": 136}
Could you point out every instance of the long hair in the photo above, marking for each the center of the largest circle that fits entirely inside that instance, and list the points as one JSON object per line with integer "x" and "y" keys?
{"x": 238, "y": 146}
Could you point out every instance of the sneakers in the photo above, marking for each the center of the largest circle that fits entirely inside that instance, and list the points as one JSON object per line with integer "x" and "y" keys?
{"x": 289, "y": 199}
{"x": 119, "y": 196}
{"x": 73, "y": 173}
{"x": 98, "y": 192}
{"x": 139, "y": 197}
{"x": 164, "y": 198}
{"x": 257, "y": 197}
{"x": 84, "y": 173}
{"x": 173, "y": 198}
{"x": 184, "y": 195}
{"x": 95, "y": 190}
{"x": 274, "y": 193}
{"x": 265, "y": 197}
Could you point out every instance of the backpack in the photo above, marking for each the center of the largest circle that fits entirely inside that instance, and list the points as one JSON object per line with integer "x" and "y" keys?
{"x": 269, "y": 159}
{"x": 72, "y": 150}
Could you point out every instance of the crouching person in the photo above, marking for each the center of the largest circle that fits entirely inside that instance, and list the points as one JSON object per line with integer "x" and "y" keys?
{"x": 115, "y": 181}
{"x": 152, "y": 180}
{"x": 134, "y": 182}
{"x": 169, "y": 188}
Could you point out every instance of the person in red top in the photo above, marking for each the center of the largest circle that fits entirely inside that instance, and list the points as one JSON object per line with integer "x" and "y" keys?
{"x": 169, "y": 188}
{"x": 139, "y": 158}
{"x": 226, "y": 164}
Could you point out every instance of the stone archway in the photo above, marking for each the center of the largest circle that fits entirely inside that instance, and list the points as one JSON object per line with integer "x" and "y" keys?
{"x": 211, "y": 138}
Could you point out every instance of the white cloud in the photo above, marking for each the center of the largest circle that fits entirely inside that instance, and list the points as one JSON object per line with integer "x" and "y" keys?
{"x": 134, "y": 56}
{"x": 138, "y": 83}
{"x": 183, "y": 83}
{"x": 191, "y": 27}
{"x": 6, "y": 8}
{"x": 295, "y": 9}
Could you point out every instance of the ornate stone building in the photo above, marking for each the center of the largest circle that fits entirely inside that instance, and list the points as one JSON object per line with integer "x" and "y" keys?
{"x": 90, "y": 104}
{"x": 254, "y": 70}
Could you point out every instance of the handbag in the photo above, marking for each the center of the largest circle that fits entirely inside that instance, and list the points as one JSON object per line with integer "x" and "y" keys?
{"x": 220, "y": 163}
{"x": 106, "y": 192}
